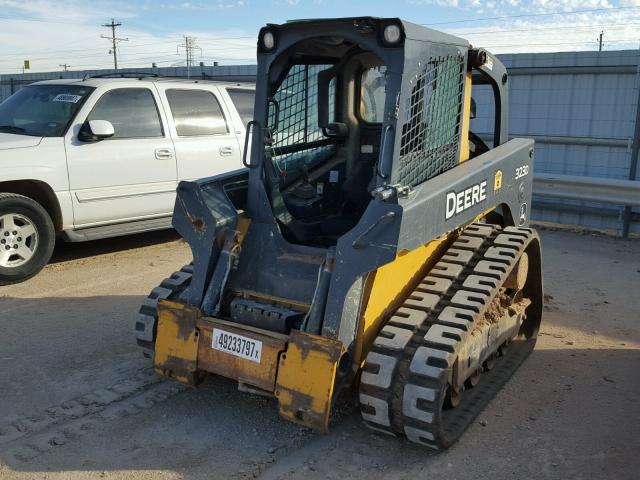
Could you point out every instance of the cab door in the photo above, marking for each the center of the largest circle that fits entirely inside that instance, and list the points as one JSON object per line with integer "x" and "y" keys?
{"x": 203, "y": 132}
{"x": 130, "y": 176}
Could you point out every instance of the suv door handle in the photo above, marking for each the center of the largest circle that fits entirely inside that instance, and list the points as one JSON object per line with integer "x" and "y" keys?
{"x": 164, "y": 154}
{"x": 226, "y": 151}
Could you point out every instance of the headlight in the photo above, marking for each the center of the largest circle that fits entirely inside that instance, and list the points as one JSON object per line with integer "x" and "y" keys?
{"x": 392, "y": 34}
{"x": 268, "y": 40}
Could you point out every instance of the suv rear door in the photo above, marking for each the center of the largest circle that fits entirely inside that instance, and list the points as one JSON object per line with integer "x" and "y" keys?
{"x": 131, "y": 175}
{"x": 204, "y": 133}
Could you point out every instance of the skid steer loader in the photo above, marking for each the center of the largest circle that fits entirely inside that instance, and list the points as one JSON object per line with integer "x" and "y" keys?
{"x": 373, "y": 243}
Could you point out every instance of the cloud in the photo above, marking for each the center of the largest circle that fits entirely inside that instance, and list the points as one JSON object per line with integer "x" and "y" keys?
{"x": 441, "y": 3}
{"x": 75, "y": 11}
{"x": 564, "y": 32}
{"x": 40, "y": 31}
{"x": 569, "y": 5}
{"x": 28, "y": 27}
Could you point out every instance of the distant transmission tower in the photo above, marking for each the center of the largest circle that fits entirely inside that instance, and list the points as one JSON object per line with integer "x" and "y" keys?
{"x": 114, "y": 40}
{"x": 189, "y": 46}
{"x": 600, "y": 40}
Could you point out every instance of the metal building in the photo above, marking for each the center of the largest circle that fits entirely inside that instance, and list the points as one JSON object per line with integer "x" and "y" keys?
{"x": 582, "y": 110}
{"x": 580, "y": 107}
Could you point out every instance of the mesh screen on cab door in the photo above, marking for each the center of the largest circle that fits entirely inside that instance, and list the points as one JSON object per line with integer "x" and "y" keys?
{"x": 431, "y": 130}
{"x": 297, "y": 98}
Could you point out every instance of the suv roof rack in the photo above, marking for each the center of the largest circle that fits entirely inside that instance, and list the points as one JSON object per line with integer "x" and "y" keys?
{"x": 123, "y": 75}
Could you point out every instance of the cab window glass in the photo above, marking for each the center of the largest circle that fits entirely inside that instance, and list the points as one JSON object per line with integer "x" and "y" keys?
{"x": 372, "y": 94}
{"x": 132, "y": 112}
{"x": 196, "y": 112}
{"x": 297, "y": 139}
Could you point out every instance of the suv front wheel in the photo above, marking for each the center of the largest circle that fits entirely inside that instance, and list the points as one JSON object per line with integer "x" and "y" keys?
{"x": 27, "y": 238}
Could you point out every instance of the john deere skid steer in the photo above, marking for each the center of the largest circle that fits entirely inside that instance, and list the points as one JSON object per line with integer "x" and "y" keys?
{"x": 373, "y": 243}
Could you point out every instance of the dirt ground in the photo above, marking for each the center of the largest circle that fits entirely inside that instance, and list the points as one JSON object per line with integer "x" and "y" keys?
{"x": 78, "y": 401}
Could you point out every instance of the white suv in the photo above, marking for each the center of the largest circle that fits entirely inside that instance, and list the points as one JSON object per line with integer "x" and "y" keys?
{"x": 101, "y": 157}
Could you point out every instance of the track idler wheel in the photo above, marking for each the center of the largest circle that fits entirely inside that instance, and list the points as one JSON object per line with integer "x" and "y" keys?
{"x": 453, "y": 397}
{"x": 474, "y": 379}
{"x": 489, "y": 363}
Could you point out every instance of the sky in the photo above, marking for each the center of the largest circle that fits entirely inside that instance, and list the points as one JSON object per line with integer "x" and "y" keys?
{"x": 51, "y": 33}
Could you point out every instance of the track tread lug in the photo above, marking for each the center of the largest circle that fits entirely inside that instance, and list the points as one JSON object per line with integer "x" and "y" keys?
{"x": 444, "y": 337}
{"x": 435, "y": 285}
{"x": 382, "y": 375}
{"x": 458, "y": 255}
{"x": 467, "y": 242}
{"x": 494, "y": 269}
{"x": 430, "y": 362}
{"x": 456, "y": 317}
{"x": 481, "y": 283}
{"x": 380, "y": 407}
{"x": 393, "y": 338}
{"x": 411, "y": 396}
{"x": 408, "y": 318}
{"x": 446, "y": 270}
{"x": 501, "y": 254}
{"x": 483, "y": 230}
{"x": 421, "y": 301}
{"x": 472, "y": 300}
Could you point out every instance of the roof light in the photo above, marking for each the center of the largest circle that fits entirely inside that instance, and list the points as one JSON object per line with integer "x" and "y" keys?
{"x": 268, "y": 40}
{"x": 392, "y": 34}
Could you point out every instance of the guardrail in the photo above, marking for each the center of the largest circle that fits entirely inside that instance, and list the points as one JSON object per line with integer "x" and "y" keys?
{"x": 610, "y": 191}
{"x": 589, "y": 189}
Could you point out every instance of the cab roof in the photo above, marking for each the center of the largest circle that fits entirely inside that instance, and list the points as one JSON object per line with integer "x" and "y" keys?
{"x": 412, "y": 31}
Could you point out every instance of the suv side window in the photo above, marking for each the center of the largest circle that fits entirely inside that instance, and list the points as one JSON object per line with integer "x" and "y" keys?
{"x": 243, "y": 99}
{"x": 132, "y": 111}
{"x": 196, "y": 112}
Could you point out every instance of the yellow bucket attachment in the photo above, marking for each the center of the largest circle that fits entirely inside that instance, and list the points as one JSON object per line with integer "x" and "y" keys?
{"x": 306, "y": 378}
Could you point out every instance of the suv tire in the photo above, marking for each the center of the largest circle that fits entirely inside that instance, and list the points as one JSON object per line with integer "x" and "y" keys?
{"x": 27, "y": 238}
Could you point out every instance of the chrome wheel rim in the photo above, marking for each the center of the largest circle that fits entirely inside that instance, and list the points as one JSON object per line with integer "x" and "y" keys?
{"x": 18, "y": 240}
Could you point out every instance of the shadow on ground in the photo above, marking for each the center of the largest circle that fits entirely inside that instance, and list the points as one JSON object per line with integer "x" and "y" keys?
{"x": 65, "y": 251}
{"x": 122, "y": 418}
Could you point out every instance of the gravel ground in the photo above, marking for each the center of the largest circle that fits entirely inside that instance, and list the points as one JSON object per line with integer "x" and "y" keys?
{"x": 78, "y": 401}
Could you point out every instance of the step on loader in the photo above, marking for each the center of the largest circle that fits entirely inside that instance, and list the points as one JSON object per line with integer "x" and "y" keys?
{"x": 373, "y": 244}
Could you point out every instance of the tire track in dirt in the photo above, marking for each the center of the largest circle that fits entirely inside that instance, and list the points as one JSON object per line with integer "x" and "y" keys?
{"x": 32, "y": 435}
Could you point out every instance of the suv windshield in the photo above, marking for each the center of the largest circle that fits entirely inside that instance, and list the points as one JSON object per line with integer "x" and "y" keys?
{"x": 42, "y": 110}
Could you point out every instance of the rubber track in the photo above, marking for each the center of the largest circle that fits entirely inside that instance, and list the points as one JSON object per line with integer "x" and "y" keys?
{"x": 170, "y": 288}
{"x": 405, "y": 376}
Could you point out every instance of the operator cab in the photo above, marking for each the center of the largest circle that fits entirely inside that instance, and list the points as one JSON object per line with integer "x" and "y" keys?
{"x": 326, "y": 108}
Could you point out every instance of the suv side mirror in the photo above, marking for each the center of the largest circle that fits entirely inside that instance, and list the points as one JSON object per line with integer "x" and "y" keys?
{"x": 95, "y": 130}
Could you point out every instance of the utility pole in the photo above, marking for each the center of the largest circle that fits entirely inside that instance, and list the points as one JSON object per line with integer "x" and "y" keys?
{"x": 189, "y": 46}
{"x": 114, "y": 40}
{"x": 65, "y": 67}
{"x": 600, "y": 40}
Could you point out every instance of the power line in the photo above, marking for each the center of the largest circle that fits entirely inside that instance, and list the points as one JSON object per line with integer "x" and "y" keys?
{"x": 504, "y": 17}
{"x": 128, "y": 55}
{"x": 568, "y": 27}
{"x": 65, "y": 67}
{"x": 588, "y": 42}
{"x": 114, "y": 40}
{"x": 212, "y": 41}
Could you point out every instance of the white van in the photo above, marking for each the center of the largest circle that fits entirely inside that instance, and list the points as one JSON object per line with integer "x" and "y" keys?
{"x": 101, "y": 157}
